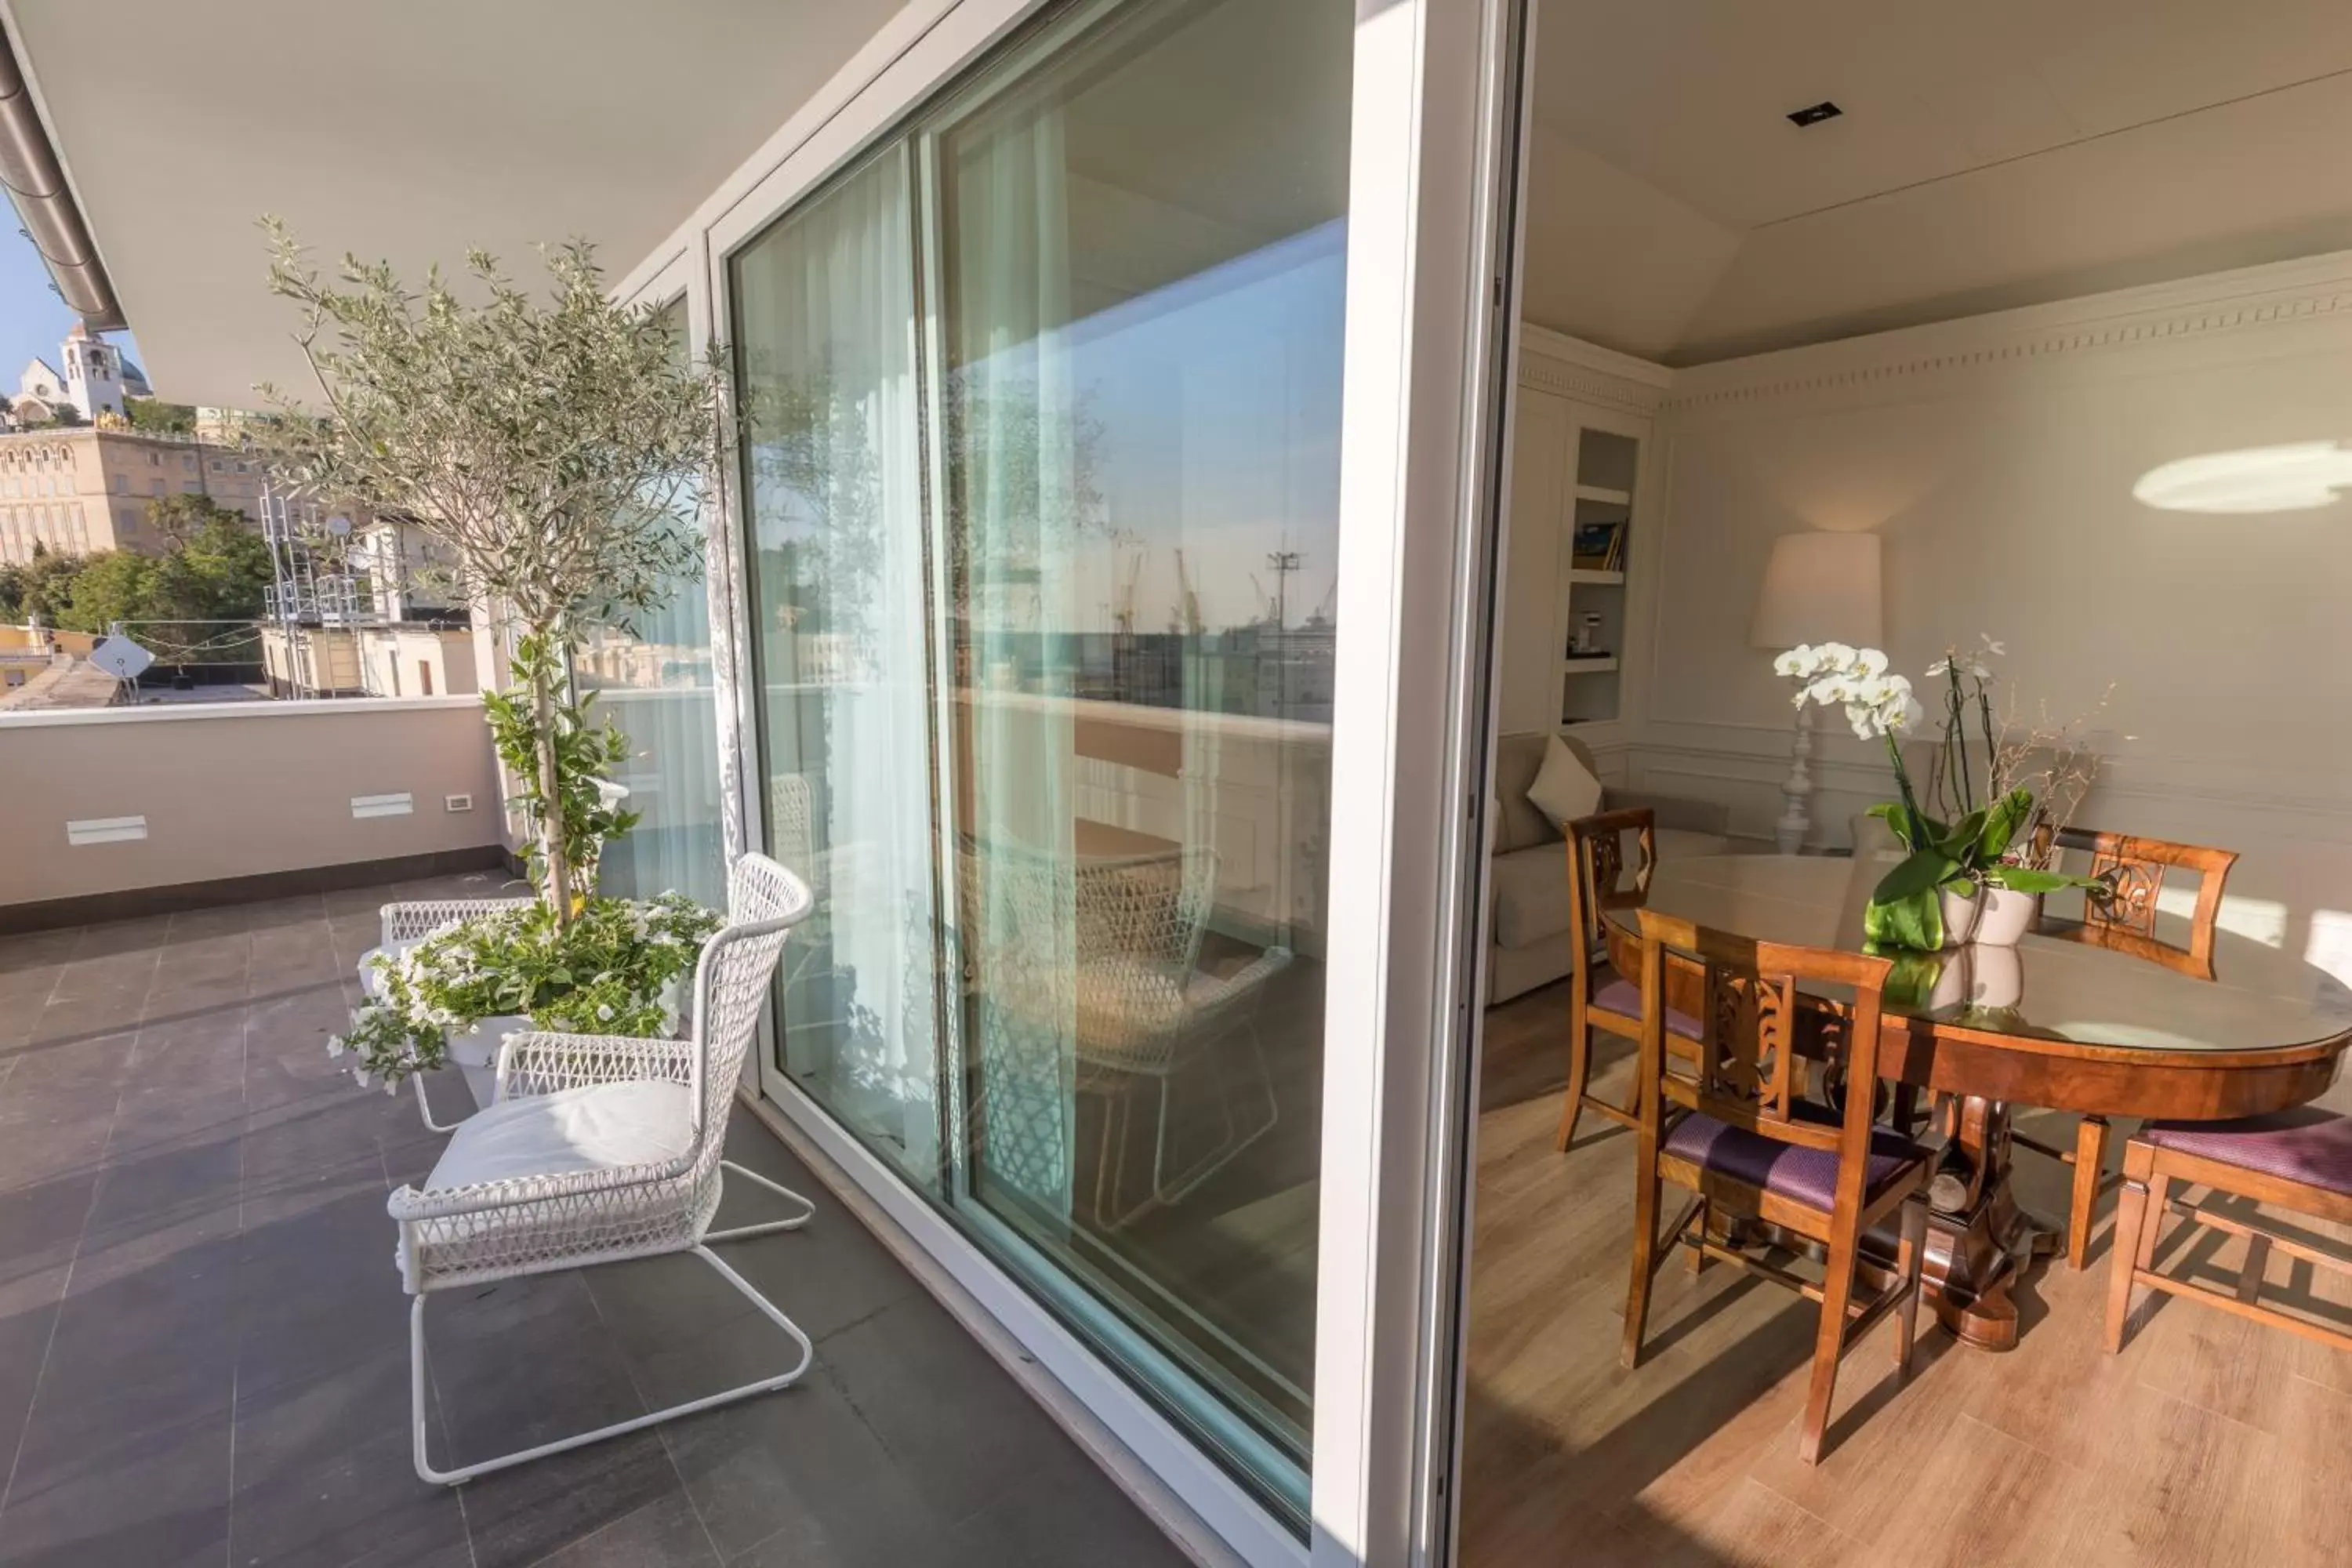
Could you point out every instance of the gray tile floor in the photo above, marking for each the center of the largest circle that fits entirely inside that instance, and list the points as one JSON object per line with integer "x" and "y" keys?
{"x": 203, "y": 1337}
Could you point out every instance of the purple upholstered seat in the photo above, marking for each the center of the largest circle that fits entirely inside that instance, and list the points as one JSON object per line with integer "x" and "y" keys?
{"x": 1622, "y": 995}
{"x": 2306, "y": 1145}
{"x": 1804, "y": 1175}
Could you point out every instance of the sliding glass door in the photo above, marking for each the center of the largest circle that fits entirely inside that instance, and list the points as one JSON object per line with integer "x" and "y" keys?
{"x": 1043, "y": 483}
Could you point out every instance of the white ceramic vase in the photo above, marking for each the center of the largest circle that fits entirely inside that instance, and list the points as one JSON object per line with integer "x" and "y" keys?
{"x": 1996, "y": 917}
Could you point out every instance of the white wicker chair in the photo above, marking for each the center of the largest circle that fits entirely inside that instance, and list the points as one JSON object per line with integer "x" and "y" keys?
{"x": 600, "y": 1148}
{"x": 405, "y": 925}
{"x": 1142, "y": 1010}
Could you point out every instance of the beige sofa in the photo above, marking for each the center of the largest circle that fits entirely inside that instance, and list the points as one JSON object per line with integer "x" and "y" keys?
{"x": 1526, "y": 881}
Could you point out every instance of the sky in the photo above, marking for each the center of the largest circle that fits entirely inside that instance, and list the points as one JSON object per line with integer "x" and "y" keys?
{"x": 33, "y": 319}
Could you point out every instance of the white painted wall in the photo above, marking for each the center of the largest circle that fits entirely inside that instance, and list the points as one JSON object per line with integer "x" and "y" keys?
{"x": 1997, "y": 457}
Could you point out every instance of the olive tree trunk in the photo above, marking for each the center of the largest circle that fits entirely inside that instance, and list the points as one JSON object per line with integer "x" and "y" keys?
{"x": 550, "y": 797}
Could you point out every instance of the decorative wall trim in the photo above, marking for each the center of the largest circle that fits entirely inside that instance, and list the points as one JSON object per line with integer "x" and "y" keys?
{"x": 1554, "y": 361}
{"x": 2246, "y": 298}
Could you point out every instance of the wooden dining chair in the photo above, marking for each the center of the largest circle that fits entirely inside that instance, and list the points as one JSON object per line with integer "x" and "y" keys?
{"x": 2123, "y": 918}
{"x": 1735, "y": 1130}
{"x": 2298, "y": 1161}
{"x": 1599, "y": 998}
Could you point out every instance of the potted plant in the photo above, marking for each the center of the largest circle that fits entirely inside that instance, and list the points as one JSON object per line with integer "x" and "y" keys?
{"x": 1977, "y": 864}
{"x": 560, "y": 449}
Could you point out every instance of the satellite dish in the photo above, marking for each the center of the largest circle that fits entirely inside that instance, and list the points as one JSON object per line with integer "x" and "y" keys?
{"x": 120, "y": 658}
{"x": 339, "y": 525}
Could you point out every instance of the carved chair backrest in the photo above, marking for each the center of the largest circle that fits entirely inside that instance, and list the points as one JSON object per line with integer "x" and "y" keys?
{"x": 1749, "y": 1070}
{"x": 2121, "y": 912}
{"x": 1599, "y": 880}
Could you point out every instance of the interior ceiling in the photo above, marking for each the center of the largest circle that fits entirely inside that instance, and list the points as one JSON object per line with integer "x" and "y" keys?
{"x": 1992, "y": 155}
{"x": 409, "y": 131}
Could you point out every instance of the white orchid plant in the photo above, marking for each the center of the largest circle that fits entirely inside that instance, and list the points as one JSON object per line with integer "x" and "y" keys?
{"x": 1966, "y": 844}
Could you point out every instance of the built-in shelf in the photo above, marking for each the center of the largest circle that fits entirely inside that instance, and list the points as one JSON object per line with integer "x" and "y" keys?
{"x": 1602, "y": 579}
{"x": 1600, "y": 665}
{"x": 1602, "y": 492}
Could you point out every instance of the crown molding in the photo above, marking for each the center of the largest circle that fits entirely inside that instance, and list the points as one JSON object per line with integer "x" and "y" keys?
{"x": 1554, "y": 361}
{"x": 2213, "y": 304}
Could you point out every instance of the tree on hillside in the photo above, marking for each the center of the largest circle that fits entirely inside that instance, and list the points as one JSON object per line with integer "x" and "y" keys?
{"x": 112, "y": 586}
{"x": 178, "y": 518}
{"x": 41, "y": 586}
{"x": 216, "y": 574}
{"x": 154, "y": 413}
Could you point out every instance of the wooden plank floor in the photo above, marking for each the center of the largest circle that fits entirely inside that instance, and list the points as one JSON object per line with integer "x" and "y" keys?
{"x": 2208, "y": 1440}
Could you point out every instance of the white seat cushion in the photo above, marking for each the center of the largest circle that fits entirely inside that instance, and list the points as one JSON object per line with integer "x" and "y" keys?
{"x": 597, "y": 1127}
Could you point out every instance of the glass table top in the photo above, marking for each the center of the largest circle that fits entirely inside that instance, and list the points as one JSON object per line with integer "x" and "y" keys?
{"x": 2046, "y": 987}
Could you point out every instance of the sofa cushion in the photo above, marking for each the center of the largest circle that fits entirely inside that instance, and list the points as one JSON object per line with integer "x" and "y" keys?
{"x": 1519, "y": 824}
{"x": 1530, "y": 888}
{"x": 1565, "y": 789}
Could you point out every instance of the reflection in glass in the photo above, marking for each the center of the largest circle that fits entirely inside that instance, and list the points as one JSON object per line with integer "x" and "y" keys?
{"x": 653, "y": 679}
{"x": 825, "y": 307}
{"x": 1141, "y": 261}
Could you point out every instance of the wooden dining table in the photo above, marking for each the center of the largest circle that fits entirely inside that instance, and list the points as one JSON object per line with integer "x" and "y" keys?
{"x": 2052, "y": 1023}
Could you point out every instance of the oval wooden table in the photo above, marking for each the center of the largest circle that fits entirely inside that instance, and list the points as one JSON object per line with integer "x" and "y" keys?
{"x": 2053, "y": 1023}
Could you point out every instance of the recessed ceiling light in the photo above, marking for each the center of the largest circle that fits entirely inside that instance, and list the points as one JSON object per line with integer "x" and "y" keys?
{"x": 1814, "y": 115}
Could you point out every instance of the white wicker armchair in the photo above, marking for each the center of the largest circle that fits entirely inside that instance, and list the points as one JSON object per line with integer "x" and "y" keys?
{"x": 405, "y": 925}
{"x": 1130, "y": 1002}
{"x": 600, "y": 1148}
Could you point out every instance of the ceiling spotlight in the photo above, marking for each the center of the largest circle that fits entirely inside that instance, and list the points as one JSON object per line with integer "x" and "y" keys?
{"x": 1814, "y": 115}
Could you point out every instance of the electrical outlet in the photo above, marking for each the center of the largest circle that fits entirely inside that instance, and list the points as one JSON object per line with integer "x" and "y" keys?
{"x": 457, "y": 803}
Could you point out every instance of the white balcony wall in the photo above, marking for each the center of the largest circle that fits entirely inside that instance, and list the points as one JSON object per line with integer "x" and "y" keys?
{"x": 236, "y": 790}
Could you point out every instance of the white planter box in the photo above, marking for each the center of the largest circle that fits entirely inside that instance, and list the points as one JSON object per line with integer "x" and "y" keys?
{"x": 476, "y": 1053}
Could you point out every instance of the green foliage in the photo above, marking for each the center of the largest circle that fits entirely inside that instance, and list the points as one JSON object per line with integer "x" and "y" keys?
{"x": 1906, "y": 909}
{"x": 585, "y": 752}
{"x": 552, "y": 440}
{"x": 42, "y": 586}
{"x": 611, "y": 970}
{"x": 154, "y": 413}
{"x": 175, "y": 518}
{"x": 112, "y": 586}
{"x": 214, "y": 573}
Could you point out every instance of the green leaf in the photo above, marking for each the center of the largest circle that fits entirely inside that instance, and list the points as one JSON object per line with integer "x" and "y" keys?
{"x": 1922, "y": 872}
{"x": 2002, "y": 822}
{"x": 1914, "y": 920}
{"x": 1960, "y": 840}
{"x": 2026, "y": 880}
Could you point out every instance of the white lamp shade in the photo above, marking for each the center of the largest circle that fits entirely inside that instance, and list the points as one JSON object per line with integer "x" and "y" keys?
{"x": 1818, "y": 587}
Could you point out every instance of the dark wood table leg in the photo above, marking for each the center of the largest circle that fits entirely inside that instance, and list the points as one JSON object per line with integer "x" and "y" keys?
{"x": 1979, "y": 1239}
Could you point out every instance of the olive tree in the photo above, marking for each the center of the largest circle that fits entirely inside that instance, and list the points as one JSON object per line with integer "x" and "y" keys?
{"x": 554, "y": 440}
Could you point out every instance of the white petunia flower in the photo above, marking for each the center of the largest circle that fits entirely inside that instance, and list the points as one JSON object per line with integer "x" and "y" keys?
{"x": 335, "y": 1045}
{"x": 604, "y": 1012}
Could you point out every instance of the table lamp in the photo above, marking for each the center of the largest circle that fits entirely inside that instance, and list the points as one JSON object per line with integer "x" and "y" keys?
{"x": 1818, "y": 587}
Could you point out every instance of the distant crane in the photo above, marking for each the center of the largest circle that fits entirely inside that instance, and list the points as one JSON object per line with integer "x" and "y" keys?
{"x": 1284, "y": 563}
{"x": 1189, "y": 603}
{"x": 1123, "y": 617}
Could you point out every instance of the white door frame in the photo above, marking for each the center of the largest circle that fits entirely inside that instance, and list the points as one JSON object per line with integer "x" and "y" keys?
{"x": 1428, "y": 295}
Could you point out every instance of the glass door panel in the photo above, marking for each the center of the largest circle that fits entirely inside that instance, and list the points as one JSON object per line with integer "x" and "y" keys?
{"x": 1140, "y": 259}
{"x": 823, "y": 304}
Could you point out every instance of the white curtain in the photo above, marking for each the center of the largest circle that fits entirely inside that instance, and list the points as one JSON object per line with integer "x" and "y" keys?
{"x": 827, "y": 312}
{"x": 1015, "y": 435}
